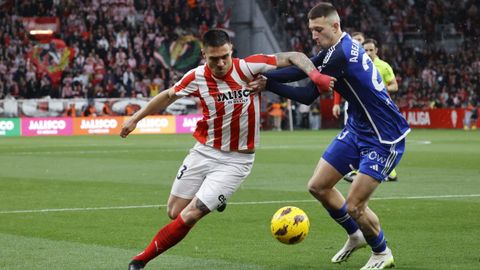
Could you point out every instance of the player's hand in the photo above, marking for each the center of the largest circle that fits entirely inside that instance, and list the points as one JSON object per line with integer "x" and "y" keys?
{"x": 258, "y": 85}
{"x": 336, "y": 110}
{"x": 128, "y": 127}
{"x": 323, "y": 82}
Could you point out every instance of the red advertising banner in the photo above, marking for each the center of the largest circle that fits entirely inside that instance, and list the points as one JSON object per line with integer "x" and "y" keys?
{"x": 155, "y": 125}
{"x": 435, "y": 118}
{"x": 97, "y": 125}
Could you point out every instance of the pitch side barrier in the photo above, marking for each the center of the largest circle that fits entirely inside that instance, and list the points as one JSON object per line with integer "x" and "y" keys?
{"x": 52, "y": 117}
{"x": 170, "y": 124}
{"x": 437, "y": 118}
{"x": 104, "y": 125}
{"x": 416, "y": 118}
{"x": 45, "y": 117}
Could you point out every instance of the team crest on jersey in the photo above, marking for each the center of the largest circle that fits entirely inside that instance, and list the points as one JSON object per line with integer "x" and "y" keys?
{"x": 234, "y": 97}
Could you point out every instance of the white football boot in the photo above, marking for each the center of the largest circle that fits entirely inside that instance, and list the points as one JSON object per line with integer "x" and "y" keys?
{"x": 354, "y": 242}
{"x": 381, "y": 260}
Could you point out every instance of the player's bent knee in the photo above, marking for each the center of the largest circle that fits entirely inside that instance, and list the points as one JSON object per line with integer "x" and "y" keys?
{"x": 175, "y": 206}
{"x": 317, "y": 189}
{"x": 172, "y": 213}
{"x": 313, "y": 186}
{"x": 194, "y": 211}
{"x": 174, "y": 209}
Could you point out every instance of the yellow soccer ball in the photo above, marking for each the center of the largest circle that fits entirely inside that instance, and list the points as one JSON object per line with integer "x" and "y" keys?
{"x": 290, "y": 225}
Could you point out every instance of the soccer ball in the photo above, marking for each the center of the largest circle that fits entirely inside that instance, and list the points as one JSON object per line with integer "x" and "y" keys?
{"x": 290, "y": 225}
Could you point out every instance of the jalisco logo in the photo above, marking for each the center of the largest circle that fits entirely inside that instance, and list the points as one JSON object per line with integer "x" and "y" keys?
{"x": 47, "y": 125}
{"x": 153, "y": 123}
{"x": 7, "y": 125}
{"x": 98, "y": 123}
{"x": 190, "y": 122}
{"x": 234, "y": 96}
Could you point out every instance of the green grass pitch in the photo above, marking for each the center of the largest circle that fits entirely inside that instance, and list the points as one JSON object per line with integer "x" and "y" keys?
{"x": 94, "y": 202}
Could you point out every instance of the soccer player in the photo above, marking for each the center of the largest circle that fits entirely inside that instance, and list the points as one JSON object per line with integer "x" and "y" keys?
{"x": 373, "y": 139}
{"x": 226, "y": 136}
{"x": 471, "y": 115}
{"x": 358, "y": 36}
{"x": 371, "y": 48}
{"x": 388, "y": 77}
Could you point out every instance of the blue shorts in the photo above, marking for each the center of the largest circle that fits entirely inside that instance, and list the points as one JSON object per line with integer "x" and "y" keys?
{"x": 366, "y": 154}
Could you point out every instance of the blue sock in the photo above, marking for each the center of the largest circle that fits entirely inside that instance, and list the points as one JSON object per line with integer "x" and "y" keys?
{"x": 378, "y": 243}
{"x": 344, "y": 219}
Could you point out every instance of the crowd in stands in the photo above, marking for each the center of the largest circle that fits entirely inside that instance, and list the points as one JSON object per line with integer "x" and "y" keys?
{"x": 433, "y": 76}
{"x": 295, "y": 15}
{"x": 429, "y": 76}
{"x": 115, "y": 42}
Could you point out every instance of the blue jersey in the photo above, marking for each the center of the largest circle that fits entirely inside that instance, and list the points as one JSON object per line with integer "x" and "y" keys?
{"x": 370, "y": 109}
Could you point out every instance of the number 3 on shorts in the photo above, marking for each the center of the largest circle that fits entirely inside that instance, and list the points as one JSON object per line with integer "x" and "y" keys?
{"x": 181, "y": 171}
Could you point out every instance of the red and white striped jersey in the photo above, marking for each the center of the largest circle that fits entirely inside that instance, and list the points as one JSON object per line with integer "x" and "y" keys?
{"x": 231, "y": 116}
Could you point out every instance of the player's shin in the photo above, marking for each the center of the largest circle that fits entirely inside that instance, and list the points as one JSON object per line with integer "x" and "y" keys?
{"x": 355, "y": 236}
{"x": 342, "y": 217}
{"x": 378, "y": 242}
{"x": 166, "y": 238}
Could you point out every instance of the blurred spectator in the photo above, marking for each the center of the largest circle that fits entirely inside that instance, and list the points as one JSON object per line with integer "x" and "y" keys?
{"x": 304, "y": 111}
{"x": 276, "y": 112}
{"x": 89, "y": 111}
{"x": 432, "y": 45}
{"x": 71, "y": 111}
{"x": 471, "y": 116}
{"x": 114, "y": 43}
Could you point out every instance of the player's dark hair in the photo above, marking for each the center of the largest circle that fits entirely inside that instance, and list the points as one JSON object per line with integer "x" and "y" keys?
{"x": 371, "y": 40}
{"x": 215, "y": 38}
{"x": 321, "y": 10}
{"x": 358, "y": 34}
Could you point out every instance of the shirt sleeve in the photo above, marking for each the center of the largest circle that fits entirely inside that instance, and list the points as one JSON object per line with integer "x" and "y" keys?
{"x": 258, "y": 63}
{"x": 388, "y": 73}
{"x": 335, "y": 62}
{"x": 305, "y": 95}
{"x": 187, "y": 85}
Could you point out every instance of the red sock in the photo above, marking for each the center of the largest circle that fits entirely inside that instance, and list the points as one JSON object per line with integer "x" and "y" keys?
{"x": 167, "y": 237}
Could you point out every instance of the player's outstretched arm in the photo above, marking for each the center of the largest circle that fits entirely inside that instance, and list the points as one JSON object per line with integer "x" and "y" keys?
{"x": 159, "y": 102}
{"x": 290, "y": 73}
{"x": 324, "y": 82}
{"x": 305, "y": 95}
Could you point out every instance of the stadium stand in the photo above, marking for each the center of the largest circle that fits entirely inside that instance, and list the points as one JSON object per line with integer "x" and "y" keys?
{"x": 430, "y": 44}
{"x": 120, "y": 45}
